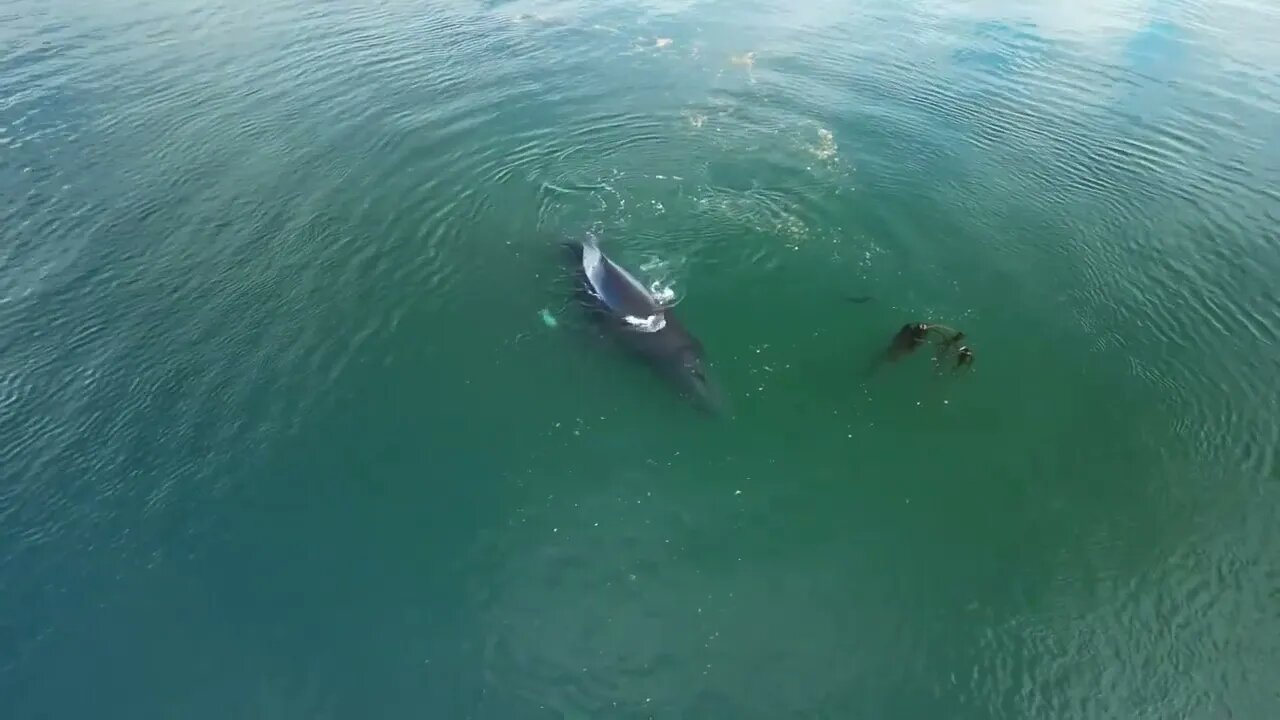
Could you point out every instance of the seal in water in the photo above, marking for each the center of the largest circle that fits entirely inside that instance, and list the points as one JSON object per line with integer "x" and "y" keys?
{"x": 946, "y": 341}
{"x": 949, "y": 352}
{"x": 647, "y": 326}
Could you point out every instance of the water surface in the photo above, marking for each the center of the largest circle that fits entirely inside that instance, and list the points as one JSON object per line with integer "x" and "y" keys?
{"x": 282, "y": 433}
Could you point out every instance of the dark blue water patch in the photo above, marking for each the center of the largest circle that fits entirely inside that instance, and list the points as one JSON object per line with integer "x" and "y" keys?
{"x": 364, "y": 546}
{"x": 298, "y": 588}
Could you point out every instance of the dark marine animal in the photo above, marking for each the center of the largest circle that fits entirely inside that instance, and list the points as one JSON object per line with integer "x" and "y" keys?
{"x": 946, "y": 343}
{"x": 631, "y": 313}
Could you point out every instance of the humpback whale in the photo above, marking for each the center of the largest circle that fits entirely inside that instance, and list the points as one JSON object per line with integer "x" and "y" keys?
{"x": 646, "y": 325}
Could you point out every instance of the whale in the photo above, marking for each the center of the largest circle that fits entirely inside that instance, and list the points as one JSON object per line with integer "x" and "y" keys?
{"x": 644, "y": 324}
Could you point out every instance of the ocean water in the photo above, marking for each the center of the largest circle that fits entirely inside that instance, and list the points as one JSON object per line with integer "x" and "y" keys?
{"x": 284, "y": 434}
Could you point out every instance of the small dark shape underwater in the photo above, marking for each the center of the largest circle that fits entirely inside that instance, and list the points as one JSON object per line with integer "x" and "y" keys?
{"x": 629, "y": 311}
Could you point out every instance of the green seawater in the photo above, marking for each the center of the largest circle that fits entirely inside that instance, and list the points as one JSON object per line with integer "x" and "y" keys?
{"x": 283, "y": 433}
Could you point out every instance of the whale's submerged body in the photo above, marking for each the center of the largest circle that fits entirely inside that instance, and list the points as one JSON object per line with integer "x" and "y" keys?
{"x": 645, "y": 325}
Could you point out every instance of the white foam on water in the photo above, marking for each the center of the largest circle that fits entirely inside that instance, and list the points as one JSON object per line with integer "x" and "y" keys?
{"x": 652, "y": 323}
{"x": 663, "y": 295}
{"x": 826, "y": 147}
{"x": 746, "y": 60}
